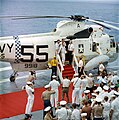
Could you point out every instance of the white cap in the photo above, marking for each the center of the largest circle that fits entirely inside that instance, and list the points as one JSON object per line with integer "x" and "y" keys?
{"x": 99, "y": 89}
{"x": 98, "y": 99}
{"x": 47, "y": 109}
{"x": 29, "y": 83}
{"x": 109, "y": 73}
{"x": 76, "y": 74}
{"x": 115, "y": 72}
{"x": 113, "y": 96}
{"x": 105, "y": 87}
{"x": 47, "y": 86}
{"x": 83, "y": 114}
{"x": 104, "y": 81}
{"x": 54, "y": 76}
{"x": 112, "y": 86}
{"x": 63, "y": 102}
{"x": 116, "y": 93}
{"x": 90, "y": 74}
{"x": 87, "y": 91}
{"x": 93, "y": 94}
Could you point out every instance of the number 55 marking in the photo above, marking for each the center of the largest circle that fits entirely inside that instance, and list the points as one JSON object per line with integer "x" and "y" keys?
{"x": 31, "y": 55}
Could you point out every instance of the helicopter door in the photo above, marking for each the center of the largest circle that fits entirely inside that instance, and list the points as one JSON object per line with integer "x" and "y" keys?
{"x": 66, "y": 55}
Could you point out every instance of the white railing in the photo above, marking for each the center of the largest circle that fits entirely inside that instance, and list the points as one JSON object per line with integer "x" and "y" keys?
{"x": 59, "y": 70}
{"x": 75, "y": 63}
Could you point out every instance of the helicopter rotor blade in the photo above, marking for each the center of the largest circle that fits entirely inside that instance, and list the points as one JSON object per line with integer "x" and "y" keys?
{"x": 107, "y": 21}
{"x": 31, "y": 17}
{"x": 106, "y": 25}
{"x": 35, "y": 17}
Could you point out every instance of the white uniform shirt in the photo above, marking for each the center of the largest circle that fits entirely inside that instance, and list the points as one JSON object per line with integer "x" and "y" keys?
{"x": 90, "y": 81}
{"x": 84, "y": 83}
{"x": 76, "y": 82}
{"x": 30, "y": 91}
{"x": 114, "y": 79}
{"x": 107, "y": 107}
{"x": 80, "y": 63}
{"x": 65, "y": 82}
{"x": 101, "y": 67}
{"x": 54, "y": 84}
{"x": 115, "y": 108}
{"x": 63, "y": 113}
{"x": 70, "y": 47}
{"x": 75, "y": 115}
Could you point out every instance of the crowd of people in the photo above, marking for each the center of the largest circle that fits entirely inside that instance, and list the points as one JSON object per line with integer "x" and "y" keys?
{"x": 93, "y": 97}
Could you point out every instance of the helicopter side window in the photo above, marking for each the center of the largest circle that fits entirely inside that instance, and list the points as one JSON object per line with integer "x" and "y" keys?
{"x": 94, "y": 46}
{"x": 112, "y": 43}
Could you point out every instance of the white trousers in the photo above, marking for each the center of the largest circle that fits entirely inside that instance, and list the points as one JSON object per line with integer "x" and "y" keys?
{"x": 29, "y": 105}
{"x": 75, "y": 95}
{"x": 63, "y": 58}
{"x": 54, "y": 99}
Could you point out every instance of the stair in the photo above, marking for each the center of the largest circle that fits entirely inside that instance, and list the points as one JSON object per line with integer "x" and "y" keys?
{"x": 68, "y": 71}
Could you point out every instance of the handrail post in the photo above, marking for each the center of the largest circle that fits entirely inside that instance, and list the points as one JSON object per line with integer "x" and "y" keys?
{"x": 61, "y": 65}
{"x": 75, "y": 63}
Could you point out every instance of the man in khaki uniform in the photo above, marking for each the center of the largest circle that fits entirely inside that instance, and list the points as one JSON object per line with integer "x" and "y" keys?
{"x": 46, "y": 96}
{"x": 97, "y": 110}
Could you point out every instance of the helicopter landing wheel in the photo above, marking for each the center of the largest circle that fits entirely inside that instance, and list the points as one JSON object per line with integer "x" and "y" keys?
{"x": 12, "y": 78}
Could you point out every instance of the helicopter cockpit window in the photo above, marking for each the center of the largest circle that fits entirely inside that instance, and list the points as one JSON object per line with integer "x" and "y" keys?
{"x": 80, "y": 48}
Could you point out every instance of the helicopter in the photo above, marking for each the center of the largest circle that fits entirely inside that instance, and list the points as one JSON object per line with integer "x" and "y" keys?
{"x": 34, "y": 51}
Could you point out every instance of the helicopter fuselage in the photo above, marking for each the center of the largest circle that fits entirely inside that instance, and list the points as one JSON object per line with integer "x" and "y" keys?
{"x": 33, "y": 52}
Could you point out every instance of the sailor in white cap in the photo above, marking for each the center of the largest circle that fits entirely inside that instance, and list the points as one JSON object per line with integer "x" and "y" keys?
{"x": 90, "y": 82}
{"x": 54, "y": 84}
{"x": 106, "y": 109}
{"x": 114, "y": 78}
{"x": 64, "y": 112}
{"x": 86, "y": 95}
{"x": 76, "y": 91}
{"x": 105, "y": 92}
{"x": 75, "y": 113}
{"x": 93, "y": 98}
{"x": 84, "y": 83}
{"x": 30, "y": 92}
{"x": 112, "y": 89}
{"x": 83, "y": 116}
{"x": 97, "y": 110}
{"x": 114, "y": 112}
{"x": 46, "y": 97}
{"x": 32, "y": 77}
{"x": 48, "y": 115}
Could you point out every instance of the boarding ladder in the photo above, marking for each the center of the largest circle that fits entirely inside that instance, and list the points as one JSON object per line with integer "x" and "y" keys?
{"x": 67, "y": 70}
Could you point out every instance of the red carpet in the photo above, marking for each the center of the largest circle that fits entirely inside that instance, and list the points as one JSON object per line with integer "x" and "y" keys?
{"x": 13, "y": 104}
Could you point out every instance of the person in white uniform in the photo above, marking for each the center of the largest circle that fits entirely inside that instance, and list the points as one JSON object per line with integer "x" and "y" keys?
{"x": 75, "y": 113}
{"x": 54, "y": 84}
{"x": 114, "y": 112}
{"x": 62, "y": 50}
{"x": 64, "y": 112}
{"x": 114, "y": 78}
{"x": 76, "y": 91}
{"x": 106, "y": 109}
{"x": 30, "y": 92}
{"x": 70, "y": 52}
{"x": 65, "y": 87}
{"x": 80, "y": 67}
